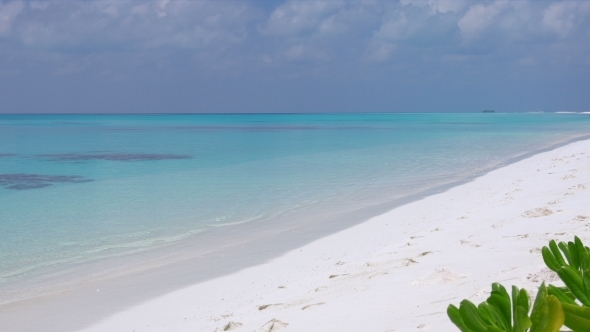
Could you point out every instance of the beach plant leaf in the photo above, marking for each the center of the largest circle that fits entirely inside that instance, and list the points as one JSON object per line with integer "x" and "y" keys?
{"x": 551, "y": 260}
{"x": 547, "y": 314}
{"x": 520, "y": 309}
{"x": 577, "y": 317}
{"x": 455, "y": 316}
{"x": 575, "y": 274}
{"x": 577, "y": 256}
{"x": 501, "y": 313}
{"x": 556, "y": 253}
{"x": 562, "y": 294}
{"x": 471, "y": 316}
{"x": 574, "y": 281}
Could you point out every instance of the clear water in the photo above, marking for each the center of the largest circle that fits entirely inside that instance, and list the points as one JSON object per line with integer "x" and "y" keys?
{"x": 80, "y": 188}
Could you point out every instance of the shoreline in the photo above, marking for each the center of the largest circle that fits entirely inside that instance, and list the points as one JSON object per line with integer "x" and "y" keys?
{"x": 110, "y": 290}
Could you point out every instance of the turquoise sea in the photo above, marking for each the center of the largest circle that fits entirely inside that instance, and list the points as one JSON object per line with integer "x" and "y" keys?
{"x": 80, "y": 189}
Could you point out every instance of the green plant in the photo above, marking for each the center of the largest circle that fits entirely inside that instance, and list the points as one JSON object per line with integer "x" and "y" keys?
{"x": 575, "y": 274}
{"x": 500, "y": 313}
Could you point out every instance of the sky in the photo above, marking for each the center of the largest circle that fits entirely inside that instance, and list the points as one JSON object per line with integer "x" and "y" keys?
{"x": 167, "y": 56}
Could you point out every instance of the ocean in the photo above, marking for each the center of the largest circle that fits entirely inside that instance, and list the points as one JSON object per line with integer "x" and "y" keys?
{"x": 84, "y": 196}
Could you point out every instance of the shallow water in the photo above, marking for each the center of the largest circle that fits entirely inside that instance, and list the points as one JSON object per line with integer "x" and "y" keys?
{"x": 75, "y": 189}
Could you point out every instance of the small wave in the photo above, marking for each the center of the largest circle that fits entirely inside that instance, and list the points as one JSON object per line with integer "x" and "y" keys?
{"x": 134, "y": 247}
{"x": 233, "y": 223}
{"x": 147, "y": 242}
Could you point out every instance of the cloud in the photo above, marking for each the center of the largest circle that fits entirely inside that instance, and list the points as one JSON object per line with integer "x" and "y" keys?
{"x": 438, "y": 6}
{"x": 230, "y": 34}
{"x": 562, "y": 18}
{"x": 128, "y": 24}
{"x": 296, "y": 17}
{"x": 8, "y": 12}
{"x": 479, "y": 17}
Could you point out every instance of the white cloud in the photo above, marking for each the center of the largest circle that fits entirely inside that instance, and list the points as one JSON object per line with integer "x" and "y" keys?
{"x": 138, "y": 24}
{"x": 438, "y": 6}
{"x": 294, "y": 17}
{"x": 479, "y": 17}
{"x": 395, "y": 28}
{"x": 562, "y": 17}
{"x": 339, "y": 31}
{"x": 8, "y": 12}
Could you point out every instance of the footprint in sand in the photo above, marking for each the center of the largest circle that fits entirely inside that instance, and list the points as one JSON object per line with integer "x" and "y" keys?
{"x": 439, "y": 277}
{"x": 337, "y": 275}
{"x": 321, "y": 289}
{"x": 408, "y": 262}
{"x": 377, "y": 274}
{"x": 273, "y": 325}
{"x": 230, "y": 326}
{"x": 266, "y": 306}
{"x": 312, "y": 305}
{"x": 580, "y": 218}
{"x": 504, "y": 272}
{"x": 538, "y": 212}
{"x": 544, "y": 274}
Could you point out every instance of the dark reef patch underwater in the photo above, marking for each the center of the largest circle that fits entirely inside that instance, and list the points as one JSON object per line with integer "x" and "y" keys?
{"x": 34, "y": 181}
{"x": 112, "y": 156}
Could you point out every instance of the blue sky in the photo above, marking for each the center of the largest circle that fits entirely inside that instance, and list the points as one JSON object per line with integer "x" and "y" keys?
{"x": 129, "y": 56}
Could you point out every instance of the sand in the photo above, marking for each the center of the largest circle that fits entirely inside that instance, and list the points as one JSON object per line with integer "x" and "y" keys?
{"x": 398, "y": 271}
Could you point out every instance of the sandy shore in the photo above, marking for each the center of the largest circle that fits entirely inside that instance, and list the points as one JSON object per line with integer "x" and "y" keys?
{"x": 400, "y": 270}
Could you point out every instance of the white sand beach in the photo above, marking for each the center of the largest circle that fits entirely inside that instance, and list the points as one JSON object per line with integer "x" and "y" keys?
{"x": 398, "y": 271}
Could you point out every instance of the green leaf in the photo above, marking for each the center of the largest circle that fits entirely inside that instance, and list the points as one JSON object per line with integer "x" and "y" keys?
{"x": 583, "y": 257}
{"x": 575, "y": 262}
{"x": 550, "y": 260}
{"x": 515, "y": 300}
{"x": 556, "y": 253}
{"x": 470, "y": 316}
{"x": 521, "y": 320}
{"x": 562, "y": 296}
{"x": 502, "y": 304}
{"x": 566, "y": 252}
{"x": 455, "y": 317}
{"x": 547, "y": 314}
{"x": 485, "y": 312}
{"x": 577, "y": 318}
{"x": 573, "y": 280}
